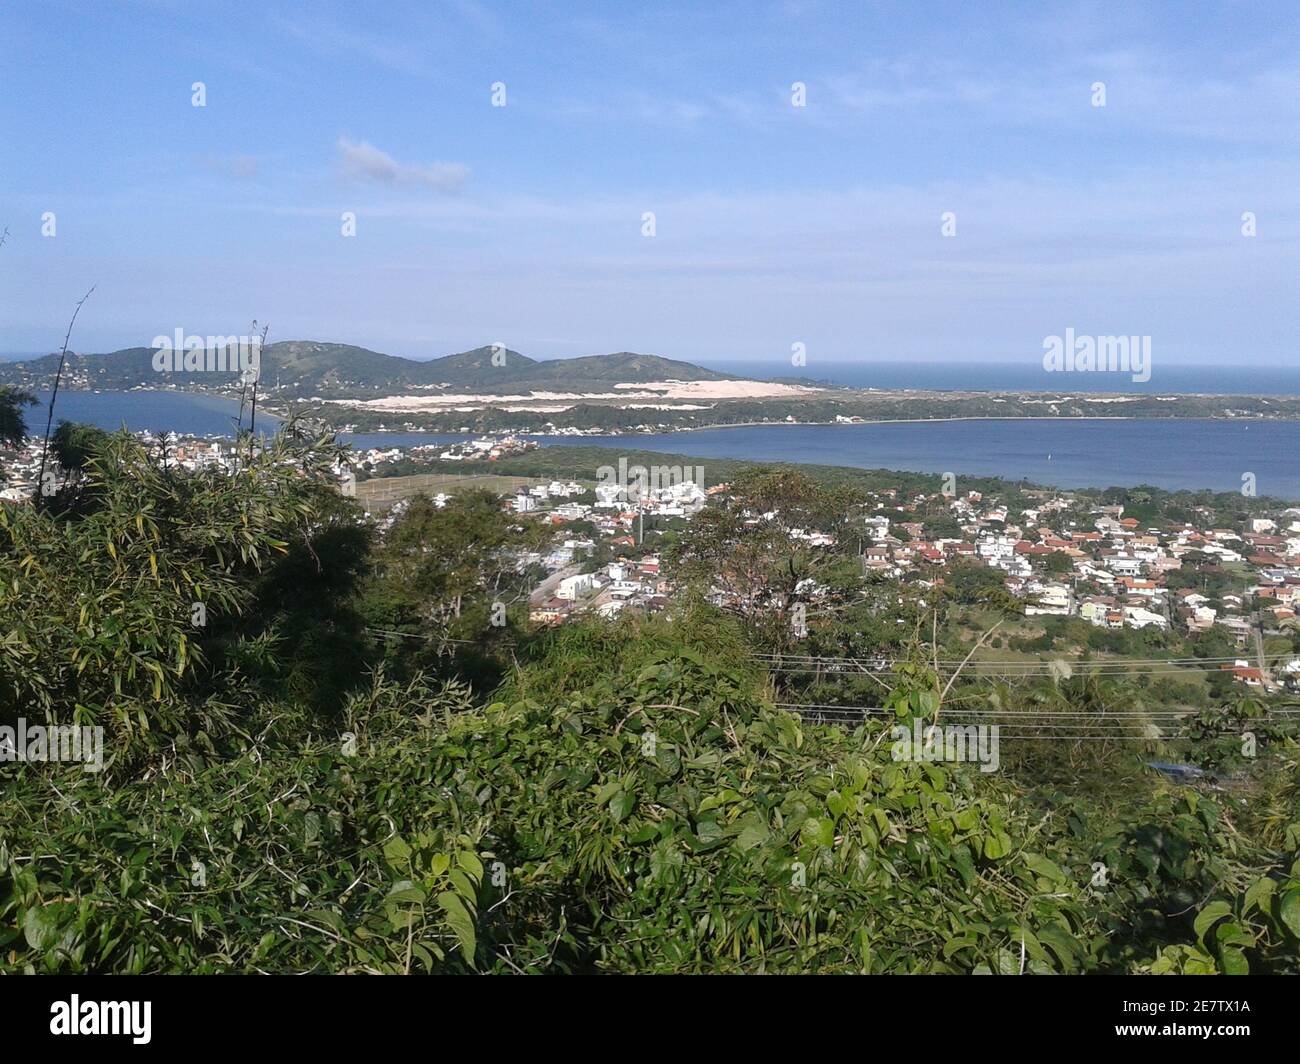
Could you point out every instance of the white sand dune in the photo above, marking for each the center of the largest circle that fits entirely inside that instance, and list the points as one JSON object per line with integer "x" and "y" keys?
{"x": 720, "y": 389}
{"x": 657, "y": 390}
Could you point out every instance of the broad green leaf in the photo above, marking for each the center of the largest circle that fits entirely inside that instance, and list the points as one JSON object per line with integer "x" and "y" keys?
{"x": 406, "y": 891}
{"x": 1289, "y": 911}
{"x": 1040, "y": 865}
{"x": 42, "y": 924}
{"x": 608, "y": 791}
{"x": 997, "y": 845}
{"x": 461, "y": 923}
{"x": 397, "y": 852}
{"x": 818, "y": 831}
{"x": 621, "y": 805}
{"x": 954, "y": 944}
{"x": 470, "y": 863}
{"x": 1209, "y": 916}
{"x": 1258, "y": 893}
{"x": 753, "y": 834}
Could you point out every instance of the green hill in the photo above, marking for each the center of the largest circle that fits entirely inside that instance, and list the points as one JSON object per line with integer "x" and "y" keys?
{"x": 617, "y": 368}
{"x": 305, "y": 368}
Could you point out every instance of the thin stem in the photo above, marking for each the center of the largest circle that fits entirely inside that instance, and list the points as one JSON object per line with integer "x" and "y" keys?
{"x": 952, "y": 679}
{"x": 63, "y": 357}
{"x": 252, "y": 422}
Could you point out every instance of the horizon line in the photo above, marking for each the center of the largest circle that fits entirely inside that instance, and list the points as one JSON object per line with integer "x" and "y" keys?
{"x": 705, "y": 361}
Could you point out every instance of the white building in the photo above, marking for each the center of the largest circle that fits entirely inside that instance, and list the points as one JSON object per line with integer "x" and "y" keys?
{"x": 1124, "y": 565}
{"x": 1053, "y": 600}
{"x": 573, "y": 586}
{"x": 1137, "y": 617}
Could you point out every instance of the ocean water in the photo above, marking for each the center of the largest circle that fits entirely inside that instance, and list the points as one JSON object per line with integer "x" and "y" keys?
{"x": 1169, "y": 453}
{"x": 1029, "y": 375}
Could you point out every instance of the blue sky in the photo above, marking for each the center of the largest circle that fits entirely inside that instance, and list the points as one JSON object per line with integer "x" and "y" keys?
{"x": 774, "y": 224}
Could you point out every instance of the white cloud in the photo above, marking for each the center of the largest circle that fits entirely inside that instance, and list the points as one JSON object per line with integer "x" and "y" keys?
{"x": 364, "y": 161}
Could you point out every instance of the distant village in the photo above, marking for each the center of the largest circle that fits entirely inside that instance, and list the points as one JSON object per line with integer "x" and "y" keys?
{"x": 20, "y": 469}
{"x": 1113, "y": 574}
{"x": 612, "y": 523}
{"x": 1108, "y": 570}
{"x": 377, "y": 460}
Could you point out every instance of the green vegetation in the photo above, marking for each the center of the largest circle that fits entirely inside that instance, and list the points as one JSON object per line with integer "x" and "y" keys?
{"x": 817, "y": 408}
{"x": 12, "y": 428}
{"x": 290, "y": 786}
{"x": 377, "y": 493}
{"x": 304, "y": 368}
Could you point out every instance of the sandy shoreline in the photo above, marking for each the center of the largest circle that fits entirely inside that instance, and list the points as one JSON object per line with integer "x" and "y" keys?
{"x": 661, "y": 391}
{"x": 619, "y": 433}
{"x": 927, "y": 420}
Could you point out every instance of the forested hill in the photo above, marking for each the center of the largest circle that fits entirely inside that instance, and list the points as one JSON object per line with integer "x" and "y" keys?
{"x": 300, "y": 368}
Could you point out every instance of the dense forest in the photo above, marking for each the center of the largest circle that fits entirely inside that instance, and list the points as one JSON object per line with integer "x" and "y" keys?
{"x": 326, "y": 752}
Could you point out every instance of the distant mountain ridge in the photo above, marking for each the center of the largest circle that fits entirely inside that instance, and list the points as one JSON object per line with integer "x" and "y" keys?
{"x": 302, "y": 368}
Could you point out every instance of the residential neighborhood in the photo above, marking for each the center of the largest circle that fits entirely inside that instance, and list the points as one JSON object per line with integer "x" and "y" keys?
{"x": 1056, "y": 554}
{"x": 1097, "y": 565}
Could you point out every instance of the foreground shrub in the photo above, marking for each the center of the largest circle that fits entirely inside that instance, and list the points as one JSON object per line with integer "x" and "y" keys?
{"x": 663, "y": 818}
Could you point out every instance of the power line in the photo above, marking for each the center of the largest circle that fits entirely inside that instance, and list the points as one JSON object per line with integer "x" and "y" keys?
{"x": 425, "y": 638}
{"x": 1046, "y": 714}
{"x": 878, "y": 660}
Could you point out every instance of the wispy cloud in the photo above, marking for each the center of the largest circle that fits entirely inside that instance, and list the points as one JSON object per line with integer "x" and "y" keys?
{"x": 362, "y": 160}
{"x": 1148, "y": 90}
{"x": 335, "y": 41}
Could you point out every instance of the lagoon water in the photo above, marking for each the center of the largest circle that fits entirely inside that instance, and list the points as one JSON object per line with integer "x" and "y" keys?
{"x": 195, "y": 415}
{"x": 1168, "y": 453}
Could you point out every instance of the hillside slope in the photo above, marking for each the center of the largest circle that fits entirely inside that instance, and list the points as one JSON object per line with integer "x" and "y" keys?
{"x": 304, "y": 368}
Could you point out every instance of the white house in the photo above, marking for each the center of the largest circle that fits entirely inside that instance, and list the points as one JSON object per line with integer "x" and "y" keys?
{"x": 1124, "y": 565}
{"x": 573, "y": 586}
{"x": 1052, "y": 600}
{"x": 1137, "y": 617}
